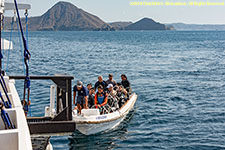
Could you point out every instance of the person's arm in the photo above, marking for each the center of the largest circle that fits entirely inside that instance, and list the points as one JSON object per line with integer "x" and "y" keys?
{"x": 96, "y": 101}
{"x": 74, "y": 96}
{"x": 105, "y": 102}
{"x": 124, "y": 91}
{"x": 128, "y": 83}
{"x": 86, "y": 102}
{"x": 105, "y": 84}
{"x": 86, "y": 93}
{"x": 129, "y": 89}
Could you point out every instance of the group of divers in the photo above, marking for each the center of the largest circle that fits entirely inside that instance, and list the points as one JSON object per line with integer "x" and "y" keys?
{"x": 107, "y": 96}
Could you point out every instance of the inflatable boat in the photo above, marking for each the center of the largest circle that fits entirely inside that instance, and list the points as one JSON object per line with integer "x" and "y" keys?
{"x": 90, "y": 121}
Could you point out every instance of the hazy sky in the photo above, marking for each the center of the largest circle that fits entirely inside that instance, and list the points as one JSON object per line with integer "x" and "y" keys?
{"x": 120, "y": 10}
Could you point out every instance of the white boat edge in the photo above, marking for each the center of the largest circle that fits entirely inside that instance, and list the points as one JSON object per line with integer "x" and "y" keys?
{"x": 19, "y": 138}
{"x": 93, "y": 124}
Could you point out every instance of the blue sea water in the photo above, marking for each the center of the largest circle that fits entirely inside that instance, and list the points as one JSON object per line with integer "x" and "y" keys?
{"x": 179, "y": 77}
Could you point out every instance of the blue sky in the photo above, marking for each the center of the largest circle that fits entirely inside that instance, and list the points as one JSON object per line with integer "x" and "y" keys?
{"x": 120, "y": 10}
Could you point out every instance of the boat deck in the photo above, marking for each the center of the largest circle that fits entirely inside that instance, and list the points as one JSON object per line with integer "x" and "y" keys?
{"x": 39, "y": 143}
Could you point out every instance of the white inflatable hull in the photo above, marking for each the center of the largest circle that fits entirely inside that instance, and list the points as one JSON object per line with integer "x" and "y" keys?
{"x": 94, "y": 124}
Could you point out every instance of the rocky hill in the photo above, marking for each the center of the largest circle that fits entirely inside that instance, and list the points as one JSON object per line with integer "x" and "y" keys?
{"x": 146, "y": 24}
{"x": 119, "y": 25}
{"x": 64, "y": 16}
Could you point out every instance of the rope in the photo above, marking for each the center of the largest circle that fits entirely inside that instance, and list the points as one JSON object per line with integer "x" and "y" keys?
{"x": 26, "y": 18}
{"x": 21, "y": 47}
{"x": 26, "y": 59}
{"x": 26, "y": 22}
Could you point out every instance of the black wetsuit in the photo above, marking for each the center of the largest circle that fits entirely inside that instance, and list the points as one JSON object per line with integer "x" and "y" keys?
{"x": 126, "y": 85}
{"x": 103, "y": 84}
{"x": 91, "y": 100}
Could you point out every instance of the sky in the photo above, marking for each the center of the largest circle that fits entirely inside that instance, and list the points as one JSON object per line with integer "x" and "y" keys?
{"x": 121, "y": 10}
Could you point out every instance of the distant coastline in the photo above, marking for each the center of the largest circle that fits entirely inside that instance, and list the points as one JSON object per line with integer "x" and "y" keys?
{"x": 197, "y": 27}
{"x": 64, "y": 16}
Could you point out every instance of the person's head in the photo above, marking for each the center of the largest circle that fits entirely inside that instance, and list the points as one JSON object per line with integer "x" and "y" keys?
{"x": 110, "y": 87}
{"x": 119, "y": 87}
{"x": 100, "y": 78}
{"x": 110, "y": 77}
{"x": 123, "y": 77}
{"x": 79, "y": 85}
{"x": 92, "y": 91}
{"x": 118, "y": 84}
{"x": 89, "y": 86}
{"x": 100, "y": 89}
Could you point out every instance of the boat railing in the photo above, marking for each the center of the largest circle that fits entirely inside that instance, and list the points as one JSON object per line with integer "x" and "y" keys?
{"x": 61, "y": 122}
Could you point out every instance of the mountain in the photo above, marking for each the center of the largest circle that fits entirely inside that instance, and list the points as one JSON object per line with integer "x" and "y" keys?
{"x": 146, "y": 24}
{"x": 66, "y": 16}
{"x": 119, "y": 25}
{"x": 196, "y": 27}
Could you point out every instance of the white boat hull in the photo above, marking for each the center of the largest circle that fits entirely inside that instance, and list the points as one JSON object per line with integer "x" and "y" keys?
{"x": 88, "y": 129}
{"x": 18, "y": 138}
{"x": 94, "y": 124}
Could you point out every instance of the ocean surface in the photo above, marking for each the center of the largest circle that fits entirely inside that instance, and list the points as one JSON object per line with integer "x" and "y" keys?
{"x": 179, "y": 77}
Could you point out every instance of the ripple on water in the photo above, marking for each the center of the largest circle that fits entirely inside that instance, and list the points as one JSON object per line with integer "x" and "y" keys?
{"x": 177, "y": 75}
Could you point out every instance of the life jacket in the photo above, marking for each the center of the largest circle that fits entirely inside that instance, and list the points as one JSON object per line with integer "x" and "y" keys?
{"x": 100, "y": 99}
